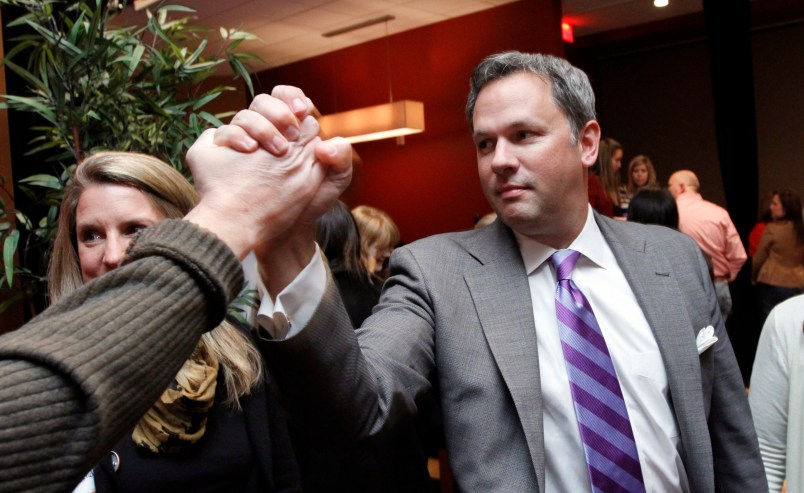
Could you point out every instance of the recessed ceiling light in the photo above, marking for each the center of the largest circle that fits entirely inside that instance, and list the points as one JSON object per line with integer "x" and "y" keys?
{"x": 660, "y": 3}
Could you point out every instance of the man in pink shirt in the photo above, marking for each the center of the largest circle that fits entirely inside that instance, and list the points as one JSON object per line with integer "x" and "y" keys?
{"x": 712, "y": 228}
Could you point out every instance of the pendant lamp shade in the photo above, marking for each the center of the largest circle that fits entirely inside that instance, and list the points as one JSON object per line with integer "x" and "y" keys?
{"x": 382, "y": 121}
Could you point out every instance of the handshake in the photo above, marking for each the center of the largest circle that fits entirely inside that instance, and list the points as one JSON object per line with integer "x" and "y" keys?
{"x": 264, "y": 178}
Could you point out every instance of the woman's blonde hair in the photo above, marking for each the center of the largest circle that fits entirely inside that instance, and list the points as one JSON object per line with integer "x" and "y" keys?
{"x": 174, "y": 196}
{"x": 652, "y": 181}
{"x": 377, "y": 229}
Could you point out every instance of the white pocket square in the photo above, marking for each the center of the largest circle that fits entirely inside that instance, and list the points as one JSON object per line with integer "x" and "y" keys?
{"x": 705, "y": 339}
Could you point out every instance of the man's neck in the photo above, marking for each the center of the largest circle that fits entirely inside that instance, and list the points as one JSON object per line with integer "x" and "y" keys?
{"x": 561, "y": 237}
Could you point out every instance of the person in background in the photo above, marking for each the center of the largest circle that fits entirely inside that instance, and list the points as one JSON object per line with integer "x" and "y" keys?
{"x": 338, "y": 237}
{"x": 197, "y": 434}
{"x": 778, "y": 265}
{"x": 777, "y": 395}
{"x": 76, "y": 377}
{"x": 763, "y": 218}
{"x": 378, "y": 238}
{"x": 657, "y": 206}
{"x": 641, "y": 174}
{"x": 711, "y": 227}
{"x": 605, "y": 191}
{"x": 654, "y": 206}
{"x": 469, "y": 328}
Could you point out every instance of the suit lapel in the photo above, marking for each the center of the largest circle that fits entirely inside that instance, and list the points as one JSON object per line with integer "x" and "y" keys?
{"x": 653, "y": 282}
{"x": 501, "y": 294}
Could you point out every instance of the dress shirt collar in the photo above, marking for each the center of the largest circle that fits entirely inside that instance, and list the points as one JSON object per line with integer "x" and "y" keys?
{"x": 589, "y": 242}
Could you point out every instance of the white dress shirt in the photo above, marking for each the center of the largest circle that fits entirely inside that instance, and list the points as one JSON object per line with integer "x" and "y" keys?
{"x": 637, "y": 361}
{"x": 636, "y": 357}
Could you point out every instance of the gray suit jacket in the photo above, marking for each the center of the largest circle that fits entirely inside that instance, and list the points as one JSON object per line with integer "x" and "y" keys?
{"x": 455, "y": 329}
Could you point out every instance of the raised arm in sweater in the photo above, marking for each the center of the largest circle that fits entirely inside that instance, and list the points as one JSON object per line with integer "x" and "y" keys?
{"x": 75, "y": 378}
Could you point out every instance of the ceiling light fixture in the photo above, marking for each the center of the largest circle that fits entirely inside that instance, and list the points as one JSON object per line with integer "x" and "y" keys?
{"x": 382, "y": 121}
{"x": 661, "y": 3}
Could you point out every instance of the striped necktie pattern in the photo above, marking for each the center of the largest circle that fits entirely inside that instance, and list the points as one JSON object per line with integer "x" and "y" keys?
{"x": 608, "y": 441}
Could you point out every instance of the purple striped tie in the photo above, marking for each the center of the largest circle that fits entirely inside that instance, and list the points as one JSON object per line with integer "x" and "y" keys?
{"x": 608, "y": 442}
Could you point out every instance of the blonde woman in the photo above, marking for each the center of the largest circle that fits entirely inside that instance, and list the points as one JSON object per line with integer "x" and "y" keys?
{"x": 217, "y": 426}
{"x": 378, "y": 238}
{"x": 641, "y": 174}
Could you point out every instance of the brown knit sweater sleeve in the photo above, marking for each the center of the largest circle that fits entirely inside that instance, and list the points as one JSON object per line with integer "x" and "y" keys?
{"x": 76, "y": 378}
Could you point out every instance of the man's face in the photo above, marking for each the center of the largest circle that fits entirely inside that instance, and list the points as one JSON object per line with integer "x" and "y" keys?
{"x": 530, "y": 171}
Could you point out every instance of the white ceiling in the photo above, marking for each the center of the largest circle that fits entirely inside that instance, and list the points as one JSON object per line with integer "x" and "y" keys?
{"x": 291, "y": 30}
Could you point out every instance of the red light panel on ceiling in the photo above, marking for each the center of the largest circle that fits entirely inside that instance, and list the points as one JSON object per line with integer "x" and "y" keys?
{"x": 566, "y": 32}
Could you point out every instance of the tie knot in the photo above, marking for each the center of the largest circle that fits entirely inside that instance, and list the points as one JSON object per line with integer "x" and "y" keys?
{"x": 564, "y": 262}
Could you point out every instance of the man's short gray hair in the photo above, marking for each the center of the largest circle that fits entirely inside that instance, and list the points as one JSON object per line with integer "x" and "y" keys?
{"x": 569, "y": 85}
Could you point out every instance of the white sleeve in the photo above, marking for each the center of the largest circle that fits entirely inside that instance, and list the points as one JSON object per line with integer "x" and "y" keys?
{"x": 768, "y": 397}
{"x": 295, "y": 305}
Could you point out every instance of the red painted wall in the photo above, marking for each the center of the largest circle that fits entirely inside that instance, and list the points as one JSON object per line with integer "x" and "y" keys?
{"x": 428, "y": 185}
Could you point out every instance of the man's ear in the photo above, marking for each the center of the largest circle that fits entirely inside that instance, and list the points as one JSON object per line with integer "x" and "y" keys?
{"x": 588, "y": 140}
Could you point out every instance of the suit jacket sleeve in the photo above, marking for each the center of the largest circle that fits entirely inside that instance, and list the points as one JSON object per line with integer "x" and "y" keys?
{"x": 75, "y": 378}
{"x": 363, "y": 386}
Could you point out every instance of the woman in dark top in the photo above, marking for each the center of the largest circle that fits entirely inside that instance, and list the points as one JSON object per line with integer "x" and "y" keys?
{"x": 604, "y": 179}
{"x": 217, "y": 427}
{"x": 657, "y": 206}
{"x": 653, "y": 206}
{"x": 338, "y": 237}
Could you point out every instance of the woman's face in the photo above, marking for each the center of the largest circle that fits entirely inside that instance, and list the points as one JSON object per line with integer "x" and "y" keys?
{"x": 639, "y": 175}
{"x": 106, "y": 219}
{"x": 617, "y": 160}
{"x": 378, "y": 258}
{"x": 776, "y": 207}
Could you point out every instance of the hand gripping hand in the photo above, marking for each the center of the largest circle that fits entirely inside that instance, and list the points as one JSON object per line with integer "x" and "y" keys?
{"x": 248, "y": 198}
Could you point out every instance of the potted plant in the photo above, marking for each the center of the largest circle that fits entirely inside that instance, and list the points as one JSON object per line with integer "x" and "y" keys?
{"x": 95, "y": 85}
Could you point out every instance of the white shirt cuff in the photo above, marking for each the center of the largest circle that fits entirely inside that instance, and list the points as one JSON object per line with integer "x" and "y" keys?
{"x": 295, "y": 305}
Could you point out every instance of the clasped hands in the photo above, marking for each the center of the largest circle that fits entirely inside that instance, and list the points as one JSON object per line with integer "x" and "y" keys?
{"x": 268, "y": 175}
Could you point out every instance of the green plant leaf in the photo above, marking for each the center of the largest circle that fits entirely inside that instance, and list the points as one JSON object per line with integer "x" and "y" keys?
{"x": 176, "y": 8}
{"x": 98, "y": 86}
{"x": 23, "y": 219}
{"x": 9, "y": 249}
{"x": 211, "y": 119}
{"x": 31, "y": 104}
{"x": 26, "y": 75}
{"x": 42, "y": 180}
{"x": 240, "y": 35}
{"x": 241, "y": 71}
{"x": 206, "y": 99}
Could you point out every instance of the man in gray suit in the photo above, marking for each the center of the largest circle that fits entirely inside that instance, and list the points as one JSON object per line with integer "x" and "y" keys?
{"x": 468, "y": 320}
